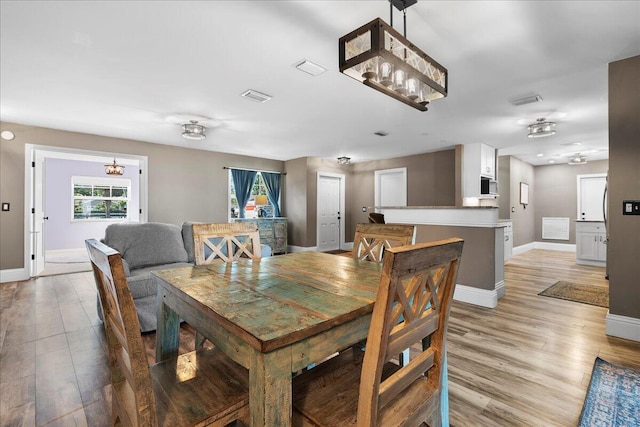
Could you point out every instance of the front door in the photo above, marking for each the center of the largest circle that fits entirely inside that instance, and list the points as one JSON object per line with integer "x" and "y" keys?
{"x": 329, "y": 212}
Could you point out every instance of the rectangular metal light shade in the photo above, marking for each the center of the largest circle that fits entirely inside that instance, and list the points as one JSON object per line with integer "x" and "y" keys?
{"x": 381, "y": 58}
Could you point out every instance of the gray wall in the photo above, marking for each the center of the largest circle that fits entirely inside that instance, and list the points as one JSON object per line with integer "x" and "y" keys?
{"x": 511, "y": 172}
{"x": 624, "y": 184}
{"x": 557, "y": 193}
{"x": 184, "y": 184}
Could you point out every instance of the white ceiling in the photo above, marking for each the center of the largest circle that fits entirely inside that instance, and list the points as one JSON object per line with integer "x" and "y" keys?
{"x": 126, "y": 69}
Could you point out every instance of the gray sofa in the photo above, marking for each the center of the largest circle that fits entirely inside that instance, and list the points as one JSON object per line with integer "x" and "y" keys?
{"x": 147, "y": 247}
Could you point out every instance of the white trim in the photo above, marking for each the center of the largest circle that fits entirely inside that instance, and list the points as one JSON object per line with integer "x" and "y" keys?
{"x": 14, "y": 275}
{"x": 564, "y": 247}
{"x": 591, "y": 262}
{"x": 622, "y": 327}
{"x": 342, "y": 211}
{"x": 349, "y": 245}
{"x": 292, "y": 248}
{"x": 454, "y": 217}
{"x": 30, "y": 151}
{"x": 476, "y": 296}
{"x": 501, "y": 289}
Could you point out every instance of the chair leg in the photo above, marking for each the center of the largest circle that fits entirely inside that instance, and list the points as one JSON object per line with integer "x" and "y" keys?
{"x": 200, "y": 339}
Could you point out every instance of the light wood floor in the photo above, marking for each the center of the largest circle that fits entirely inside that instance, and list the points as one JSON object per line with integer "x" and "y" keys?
{"x": 526, "y": 362}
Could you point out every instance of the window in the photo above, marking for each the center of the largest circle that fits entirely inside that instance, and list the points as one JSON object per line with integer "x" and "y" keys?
{"x": 264, "y": 209}
{"x": 96, "y": 198}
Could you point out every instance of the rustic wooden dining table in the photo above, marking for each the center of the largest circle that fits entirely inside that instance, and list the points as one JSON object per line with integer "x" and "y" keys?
{"x": 274, "y": 316}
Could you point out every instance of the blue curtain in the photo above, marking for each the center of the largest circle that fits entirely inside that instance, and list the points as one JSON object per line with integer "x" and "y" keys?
{"x": 272, "y": 184}
{"x": 242, "y": 182}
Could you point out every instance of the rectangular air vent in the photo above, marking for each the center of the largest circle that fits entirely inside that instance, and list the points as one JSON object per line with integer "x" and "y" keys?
{"x": 256, "y": 96}
{"x": 310, "y": 67}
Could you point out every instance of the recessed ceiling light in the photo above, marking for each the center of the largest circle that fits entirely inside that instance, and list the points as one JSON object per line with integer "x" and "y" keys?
{"x": 310, "y": 67}
{"x": 571, "y": 143}
{"x": 540, "y": 154}
{"x": 256, "y": 96}
{"x": 552, "y": 161}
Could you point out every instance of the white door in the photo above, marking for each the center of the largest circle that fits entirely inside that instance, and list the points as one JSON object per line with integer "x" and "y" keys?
{"x": 38, "y": 215}
{"x": 330, "y": 194}
{"x": 391, "y": 187}
{"x": 590, "y": 196}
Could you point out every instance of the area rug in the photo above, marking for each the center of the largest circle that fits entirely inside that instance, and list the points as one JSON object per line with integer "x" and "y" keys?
{"x": 586, "y": 294}
{"x": 612, "y": 397}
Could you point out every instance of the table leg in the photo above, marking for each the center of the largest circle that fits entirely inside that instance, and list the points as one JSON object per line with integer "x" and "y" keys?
{"x": 167, "y": 330}
{"x": 270, "y": 385}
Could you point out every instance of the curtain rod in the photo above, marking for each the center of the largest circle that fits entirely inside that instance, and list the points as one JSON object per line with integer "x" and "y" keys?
{"x": 255, "y": 170}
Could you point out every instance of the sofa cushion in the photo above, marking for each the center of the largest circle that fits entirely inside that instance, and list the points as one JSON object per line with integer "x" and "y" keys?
{"x": 147, "y": 244}
{"x": 187, "y": 238}
{"x": 140, "y": 282}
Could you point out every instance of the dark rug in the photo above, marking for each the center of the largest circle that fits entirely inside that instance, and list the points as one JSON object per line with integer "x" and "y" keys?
{"x": 586, "y": 294}
{"x": 612, "y": 397}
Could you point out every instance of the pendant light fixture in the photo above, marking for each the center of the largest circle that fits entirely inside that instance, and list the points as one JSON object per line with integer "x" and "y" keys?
{"x": 114, "y": 169}
{"x": 541, "y": 128}
{"x": 383, "y": 59}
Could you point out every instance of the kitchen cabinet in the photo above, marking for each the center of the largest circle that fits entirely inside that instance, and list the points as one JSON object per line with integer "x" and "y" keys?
{"x": 591, "y": 243}
{"x": 273, "y": 232}
{"x": 479, "y": 161}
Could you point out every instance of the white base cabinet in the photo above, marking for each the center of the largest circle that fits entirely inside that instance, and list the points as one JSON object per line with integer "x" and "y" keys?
{"x": 591, "y": 243}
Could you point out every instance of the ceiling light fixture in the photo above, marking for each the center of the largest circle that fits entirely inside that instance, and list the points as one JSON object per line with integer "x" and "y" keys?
{"x": 383, "y": 59}
{"x": 577, "y": 159}
{"x": 114, "y": 169}
{"x": 344, "y": 160}
{"x": 541, "y": 128}
{"x": 7, "y": 135}
{"x": 193, "y": 130}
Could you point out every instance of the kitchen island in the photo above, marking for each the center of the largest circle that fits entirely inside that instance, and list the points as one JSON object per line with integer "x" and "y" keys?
{"x": 481, "y": 272}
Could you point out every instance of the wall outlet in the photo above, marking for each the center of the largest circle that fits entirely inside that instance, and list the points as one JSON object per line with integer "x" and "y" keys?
{"x": 631, "y": 207}
{"x": 364, "y": 209}
{"x": 5, "y": 207}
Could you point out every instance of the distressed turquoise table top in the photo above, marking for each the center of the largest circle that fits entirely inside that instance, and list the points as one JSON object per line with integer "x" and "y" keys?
{"x": 278, "y": 300}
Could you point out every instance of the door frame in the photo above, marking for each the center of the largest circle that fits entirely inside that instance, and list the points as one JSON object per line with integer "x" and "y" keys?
{"x": 341, "y": 177}
{"x": 33, "y": 150}
{"x": 378, "y": 174}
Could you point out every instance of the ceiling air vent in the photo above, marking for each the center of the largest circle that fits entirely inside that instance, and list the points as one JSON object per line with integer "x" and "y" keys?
{"x": 256, "y": 96}
{"x": 526, "y": 100}
{"x": 381, "y": 133}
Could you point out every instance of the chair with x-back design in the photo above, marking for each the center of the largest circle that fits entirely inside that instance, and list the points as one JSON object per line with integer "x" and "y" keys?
{"x": 227, "y": 242}
{"x": 371, "y": 240}
{"x": 412, "y": 307}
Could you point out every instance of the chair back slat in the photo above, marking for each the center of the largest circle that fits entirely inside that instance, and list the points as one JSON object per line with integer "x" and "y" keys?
{"x": 371, "y": 240}
{"x": 412, "y": 306}
{"x": 227, "y": 242}
{"x": 132, "y": 393}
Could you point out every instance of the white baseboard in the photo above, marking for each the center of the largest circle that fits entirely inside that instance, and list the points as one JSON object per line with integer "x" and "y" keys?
{"x": 565, "y": 247}
{"x": 622, "y": 327}
{"x": 475, "y": 296}
{"x": 591, "y": 262}
{"x": 292, "y": 248}
{"x": 347, "y": 246}
{"x": 500, "y": 289}
{"x": 14, "y": 275}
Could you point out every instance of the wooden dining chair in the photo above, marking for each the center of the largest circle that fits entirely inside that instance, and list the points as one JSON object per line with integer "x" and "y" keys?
{"x": 227, "y": 242}
{"x": 367, "y": 389}
{"x": 376, "y": 218}
{"x": 198, "y": 388}
{"x": 371, "y": 240}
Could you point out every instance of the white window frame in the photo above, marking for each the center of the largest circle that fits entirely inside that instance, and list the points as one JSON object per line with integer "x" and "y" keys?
{"x": 99, "y": 181}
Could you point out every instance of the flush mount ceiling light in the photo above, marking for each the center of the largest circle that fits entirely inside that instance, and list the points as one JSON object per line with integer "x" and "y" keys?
{"x": 193, "y": 130}
{"x": 577, "y": 159}
{"x": 541, "y": 128}
{"x": 383, "y": 59}
{"x": 114, "y": 169}
{"x": 344, "y": 160}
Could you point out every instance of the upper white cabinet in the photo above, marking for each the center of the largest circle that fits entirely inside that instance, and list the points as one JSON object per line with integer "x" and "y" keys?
{"x": 487, "y": 161}
{"x": 479, "y": 161}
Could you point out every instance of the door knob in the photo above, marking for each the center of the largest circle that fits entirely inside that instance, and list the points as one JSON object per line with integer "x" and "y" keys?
{"x": 46, "y": 217}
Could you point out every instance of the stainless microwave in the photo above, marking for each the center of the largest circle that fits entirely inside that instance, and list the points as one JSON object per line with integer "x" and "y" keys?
{"x": 488, "y": 186}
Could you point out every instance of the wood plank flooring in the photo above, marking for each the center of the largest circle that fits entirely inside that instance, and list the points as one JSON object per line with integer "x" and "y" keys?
{"x": 525, "y": 363}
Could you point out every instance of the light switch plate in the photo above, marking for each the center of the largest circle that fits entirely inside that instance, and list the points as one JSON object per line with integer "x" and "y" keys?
{"x": 631, "y": 207}
{"x": 5, "y": 207}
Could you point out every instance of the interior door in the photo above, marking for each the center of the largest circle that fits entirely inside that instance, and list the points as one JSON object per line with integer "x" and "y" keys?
{"x": 329, "y": 214}
{"x": 391, "y": 187}
{"x": 38, "y": 216}
{"x": 590, "y": 196}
